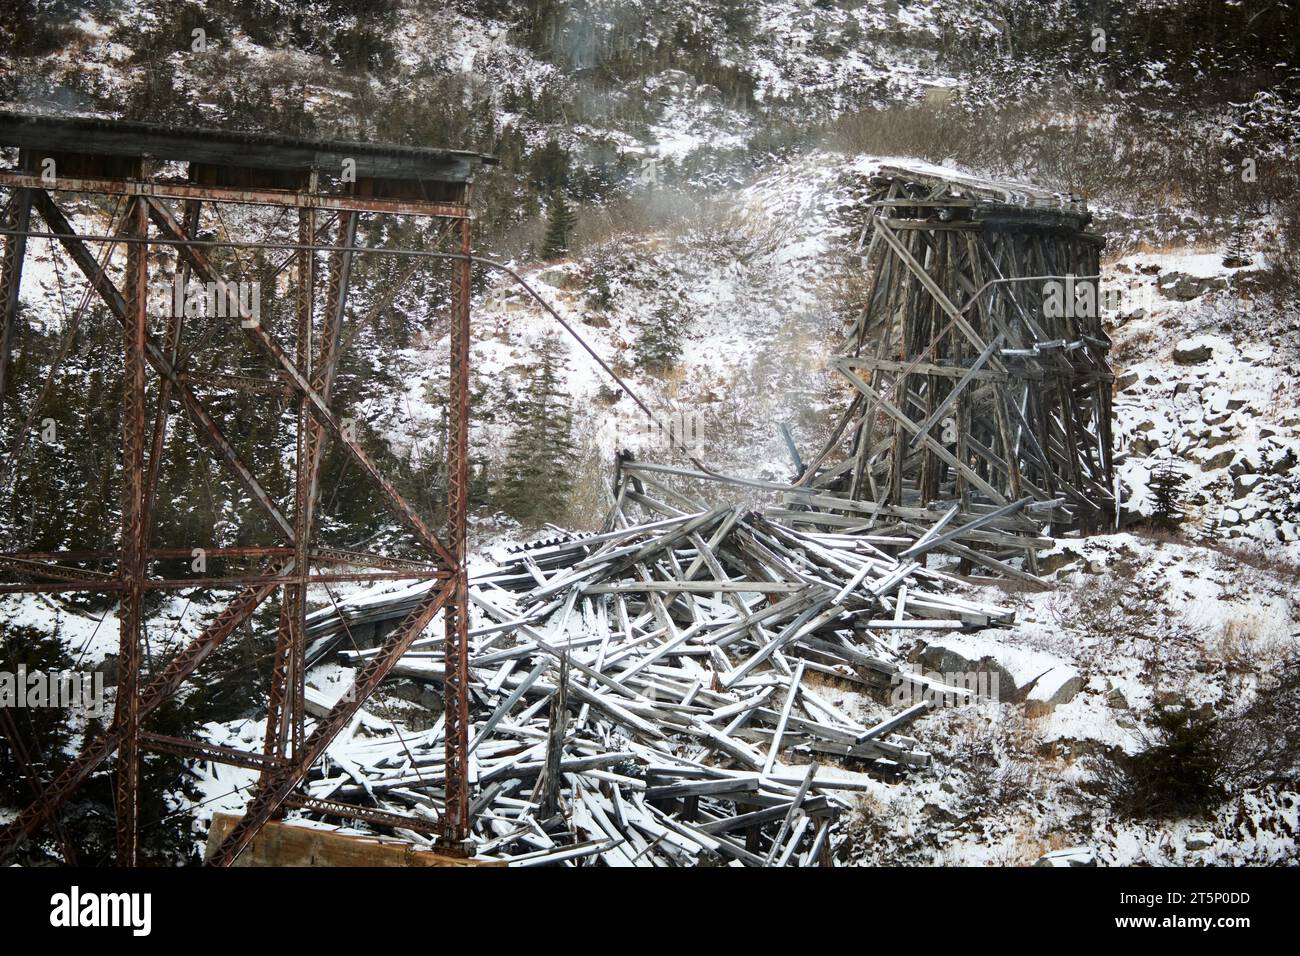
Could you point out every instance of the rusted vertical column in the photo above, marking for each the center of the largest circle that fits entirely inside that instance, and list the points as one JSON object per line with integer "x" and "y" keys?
{"x": 296, "y": 594}
{"x": 131, "y": 566}
{"x": 17, "y": 217}
{"x": 456, "y": 616}
{"x": 285, "y": 716}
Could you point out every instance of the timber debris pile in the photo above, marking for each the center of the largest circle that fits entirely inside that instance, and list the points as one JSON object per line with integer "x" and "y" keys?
{"x": 659, "y": 694}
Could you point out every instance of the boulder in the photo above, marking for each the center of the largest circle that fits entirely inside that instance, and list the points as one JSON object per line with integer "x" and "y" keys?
{"x": 1243, "y": 484}
{"x": 1183, "y": 288}
{"x": 1193, "y": 351}
{"x": 1200, "y": 840}
{"x": 1222, "y": 460}
{"x": 1059, "y": 685}
{"x": 1039, "y": 680}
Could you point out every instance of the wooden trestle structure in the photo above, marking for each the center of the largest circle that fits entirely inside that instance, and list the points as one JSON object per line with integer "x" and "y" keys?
{"x": 170, "y": 187}
{"x": 981, "y": 394}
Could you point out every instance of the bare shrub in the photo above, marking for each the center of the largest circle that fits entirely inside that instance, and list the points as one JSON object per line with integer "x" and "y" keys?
{"x": 996, "y": 755}
{"x": 1104, "y": 606}
{"x": 1261, "y": 741}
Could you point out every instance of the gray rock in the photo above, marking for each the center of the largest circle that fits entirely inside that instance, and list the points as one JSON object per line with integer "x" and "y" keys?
{"x": 1183, "y": 288}
{"x": 1222, "y": 460}
{"x": 1058, "y": 686}
{"x": 1242, "y": 484}
{"x": 1193, "y": 354}
{"x": 1039, "y": 680}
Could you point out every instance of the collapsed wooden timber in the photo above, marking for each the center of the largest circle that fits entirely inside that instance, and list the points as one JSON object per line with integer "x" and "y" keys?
{"x": 663, "y": 693}
{"x": 981, "y": 393}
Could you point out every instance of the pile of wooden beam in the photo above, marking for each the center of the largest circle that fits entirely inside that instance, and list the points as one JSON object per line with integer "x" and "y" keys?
{"x": 667, "y": 692}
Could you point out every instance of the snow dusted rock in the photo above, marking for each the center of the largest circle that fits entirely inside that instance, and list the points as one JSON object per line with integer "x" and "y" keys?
{"x": 1195, "y": 350}
{"x": 1200, "y": 840}
{"x": 1220, "y": 460}
{"x": 1183, "y": 288}
{"x": 1060, "y": 557}
{"x": 1040, "y": 680}
{"x": 1070, "y": 856}
{"x": 1058, "y": 686}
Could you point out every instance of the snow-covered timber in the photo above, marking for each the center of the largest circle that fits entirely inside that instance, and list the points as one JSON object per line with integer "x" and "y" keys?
{"x": 646, "y": 697}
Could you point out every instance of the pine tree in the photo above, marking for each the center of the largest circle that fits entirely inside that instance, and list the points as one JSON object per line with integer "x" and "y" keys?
{"x": 44, "y": 731}
{"x": 658, "y": 345}
{"x": 1237, "y": 253}
{"x": 536, "y": 475}
{"x": 1167, "y": 488}
{"x": 559, "y": 227}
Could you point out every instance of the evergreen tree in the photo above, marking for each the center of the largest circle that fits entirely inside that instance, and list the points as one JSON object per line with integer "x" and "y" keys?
{"x": 559, "y": 227}
{"x": 44, "y": 731}
{"x": 1237, "y": 252}
{"x": 536, "y": 474}
{"x": 658, "y": 345}
{"x": 1167, "y": 488}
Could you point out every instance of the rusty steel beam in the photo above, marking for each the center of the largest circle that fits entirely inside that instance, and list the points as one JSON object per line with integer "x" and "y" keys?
{"x": 202, "y": 750}
{"x": 350, "y": 811}
{"x": 319, "y": 555}
{"x": 238, "y": 383}
{"x": 252, "y": 197}
{"x": 311, "y": 434}
{"x": 322, "y": 379}
{"x": 455, "y": 835}
{"x": 241, "y": 551}
{"x": 284, "y": 720}
{"x": 207, "y": 428}
{"x": 40, "y": 569}
{"x": 249, "y": 551}
{"x": 17, "y": 216}
{"x": 102, "y": 586}
{"x": 276, "y": 788}
{"x": 162, "y": 688}
{"x": 295, "y": 596}
{"x": 322, "y": 555}
{"x": 180, "y": 584}
{"x": 126, "y": 716}
{"x": 64, "y": 587}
